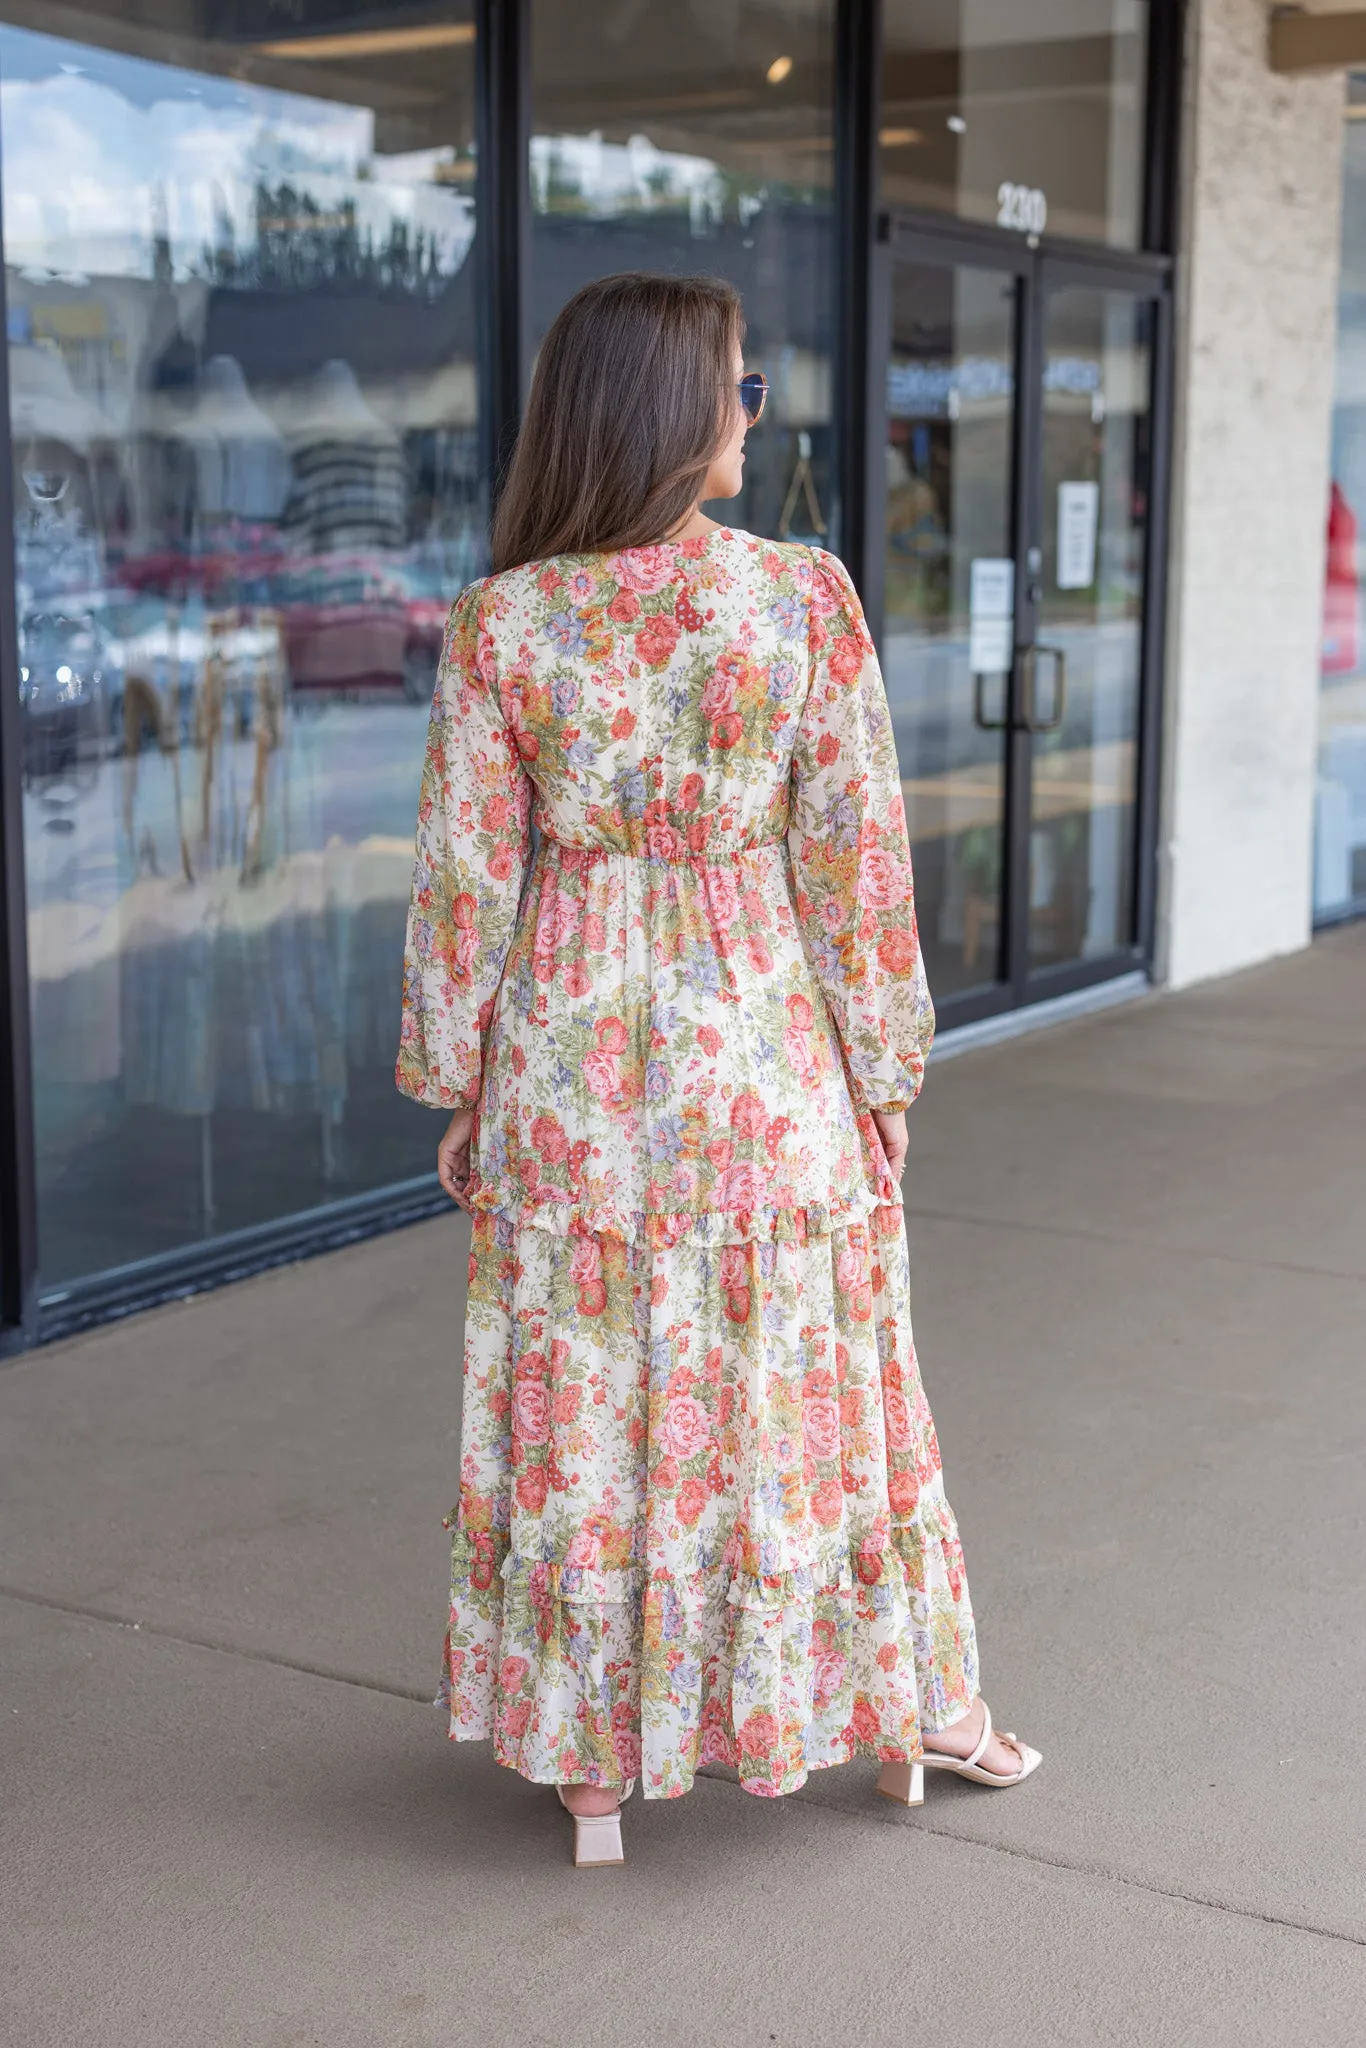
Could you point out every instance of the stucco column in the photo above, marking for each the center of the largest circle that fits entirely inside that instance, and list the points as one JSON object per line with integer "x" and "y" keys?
{"x": 1256, "y": 314}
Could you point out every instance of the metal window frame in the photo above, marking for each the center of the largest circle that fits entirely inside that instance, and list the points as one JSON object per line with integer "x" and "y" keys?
{"x": 857, "y": 421}
{"x": 18, "y": 1151}
{"x": 502, "y": 47}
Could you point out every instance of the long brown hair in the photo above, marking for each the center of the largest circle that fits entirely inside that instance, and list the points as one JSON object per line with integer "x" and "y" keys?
{"x": 627, "y": 409}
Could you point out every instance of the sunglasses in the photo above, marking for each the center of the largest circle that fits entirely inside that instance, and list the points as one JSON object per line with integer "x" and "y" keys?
{"x": 753, "y": 395}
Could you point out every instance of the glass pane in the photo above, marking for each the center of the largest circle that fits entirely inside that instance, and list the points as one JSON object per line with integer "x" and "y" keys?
{"x": 244, "y": 431}
{"x": 1027, "y": 113}
{"x": 949, "y": 627}
{"x": 1340, "y": 806}
{"x": 697, "y": 138}
{"x": 1096, "y": 466}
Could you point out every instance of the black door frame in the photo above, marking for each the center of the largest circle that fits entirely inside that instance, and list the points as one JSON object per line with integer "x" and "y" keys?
{"x": 1037, "y": 265}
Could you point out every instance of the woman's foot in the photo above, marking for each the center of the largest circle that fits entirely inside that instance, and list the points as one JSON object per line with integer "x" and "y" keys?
{"x": 1001, "y": 1755}
{"x": 591, "y": 1800}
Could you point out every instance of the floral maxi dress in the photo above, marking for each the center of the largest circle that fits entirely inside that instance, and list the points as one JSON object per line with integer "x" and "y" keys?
{"x": 701, "y": 1514}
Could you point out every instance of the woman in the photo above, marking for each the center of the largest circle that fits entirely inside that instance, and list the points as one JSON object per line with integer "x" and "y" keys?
{"x": 701, "y": 1514}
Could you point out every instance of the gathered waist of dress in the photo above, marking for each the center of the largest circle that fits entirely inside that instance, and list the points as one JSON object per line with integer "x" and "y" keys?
{"x": 663, "y": 845}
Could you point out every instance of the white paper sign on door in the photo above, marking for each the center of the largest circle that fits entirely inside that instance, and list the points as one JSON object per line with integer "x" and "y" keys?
{"x": 991, "y": 615}
{"x": 1078, "y": 510}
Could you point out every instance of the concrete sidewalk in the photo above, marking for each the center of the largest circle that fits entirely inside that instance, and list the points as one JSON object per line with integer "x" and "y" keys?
{"x": 1140, "y": 1254}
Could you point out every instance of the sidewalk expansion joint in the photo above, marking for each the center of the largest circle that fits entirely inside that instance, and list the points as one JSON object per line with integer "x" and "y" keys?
{"x": 1130, "y": 1242}
{"x": 1092, "y": 1870}
{"x": 223, "y": 1649}
{"x": 403, "y": 1692}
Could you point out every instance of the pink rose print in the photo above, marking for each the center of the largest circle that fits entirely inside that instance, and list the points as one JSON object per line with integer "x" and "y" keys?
{"x": 741, "y": 1187}
{"x": 584, "y": 1549}
{"x": 531, "y": 1412}
{"x": 867, "y": 1724}
{"x": 656, "y": 640}
{"x": 722, "y": 896}
{"x": 897, "y": 1419}
{"x": 903, "y": 1492}
{"x": 747, "y": 1115}
{"x": 585, "y": 1261}
{"x": 687, "y": 1426}
{"x": 882, "y": 882}
{"x": 827, "y": 1503}
{"x": 803, "y": 1054}
{"x": 758, "y": 1735}
{"x": 645, "y": 570}
{"x": 849, "y": 1269}
{"x": 897, "y": 953}
{"x": 664, "y": 843}
{"x": 821, "y": 1429}
{"x": 547, "y": 1135}
{"x": 610, "y": 1033}
{"x": 601, "y": 1075}
{"x": 513, "y": 1671}
{"x": 829, "y": 1677}
{"x": 733, "y": 1267}
{"x": 718, "y": 694}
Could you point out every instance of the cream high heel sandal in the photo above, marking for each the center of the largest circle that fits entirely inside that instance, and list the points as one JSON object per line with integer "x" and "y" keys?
{"x": 895, "y": 1775}
{"x": 597, "y": 1836}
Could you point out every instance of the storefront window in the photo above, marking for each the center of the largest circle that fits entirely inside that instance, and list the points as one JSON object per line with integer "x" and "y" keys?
{"x": 244, "y": 428}
{"x": 1340, "y": 806}
{"x": 1024, "y": 113}
{"x": 698, "y": 138}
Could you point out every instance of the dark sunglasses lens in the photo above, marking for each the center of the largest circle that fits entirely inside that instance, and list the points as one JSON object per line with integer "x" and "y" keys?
{"x": 753, "y": 392}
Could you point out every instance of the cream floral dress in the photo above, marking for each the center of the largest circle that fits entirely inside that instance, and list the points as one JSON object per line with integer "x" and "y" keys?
{"x": 701, "y": 1513}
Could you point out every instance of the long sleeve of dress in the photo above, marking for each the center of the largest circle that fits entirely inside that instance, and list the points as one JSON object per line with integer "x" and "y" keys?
{"x": 851, "y": 855}
{"x": 472, "y": 840}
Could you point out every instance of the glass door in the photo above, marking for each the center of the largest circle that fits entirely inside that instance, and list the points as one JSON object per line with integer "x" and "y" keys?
{"x": 1014, "y": 499}
{"x": 1081, "y": 664}
{"x": 948, "y": 581}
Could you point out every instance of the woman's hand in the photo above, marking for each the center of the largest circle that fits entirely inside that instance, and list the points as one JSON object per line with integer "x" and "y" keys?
{"x": 891, "y": 1128}
{"x": 453, "y": 1158}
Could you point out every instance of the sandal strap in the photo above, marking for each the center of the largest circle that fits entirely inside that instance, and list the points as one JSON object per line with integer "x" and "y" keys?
{"x": 983, "y": 1739}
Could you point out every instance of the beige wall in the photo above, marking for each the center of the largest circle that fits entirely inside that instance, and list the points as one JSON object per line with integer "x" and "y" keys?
{"x": 1256, "y": 310}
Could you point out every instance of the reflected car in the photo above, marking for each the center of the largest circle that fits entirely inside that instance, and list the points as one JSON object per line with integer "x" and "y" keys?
{"x": 64, "y": 691}
{"x": 344, "y": 623}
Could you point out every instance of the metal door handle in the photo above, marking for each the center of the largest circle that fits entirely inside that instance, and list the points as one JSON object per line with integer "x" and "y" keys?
{"x": 1029, "y": 676}
{"x": 979, "y": 706}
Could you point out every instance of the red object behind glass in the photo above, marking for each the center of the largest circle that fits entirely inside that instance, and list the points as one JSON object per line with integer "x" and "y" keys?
{"x": 1340, "y": 606}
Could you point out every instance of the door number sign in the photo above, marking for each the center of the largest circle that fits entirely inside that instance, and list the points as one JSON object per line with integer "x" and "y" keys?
{"x": 1022, "y": 207}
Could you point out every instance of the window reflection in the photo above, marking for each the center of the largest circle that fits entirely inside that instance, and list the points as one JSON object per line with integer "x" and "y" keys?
{"x": 245, "y": 476}
{"x": 1340, "y": 805}
{"x": 700, "y": 138}
{"x": 1024, "y": 113}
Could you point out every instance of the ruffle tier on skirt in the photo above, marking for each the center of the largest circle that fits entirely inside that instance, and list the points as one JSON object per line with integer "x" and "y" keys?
{"x": 702, "y": 1516}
